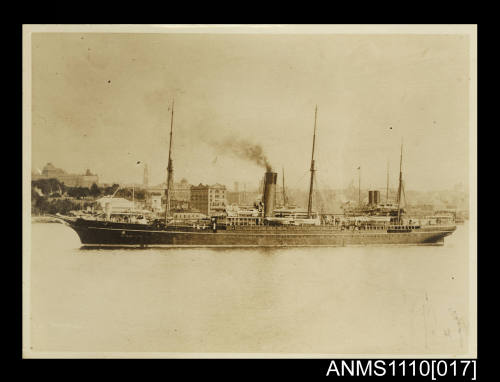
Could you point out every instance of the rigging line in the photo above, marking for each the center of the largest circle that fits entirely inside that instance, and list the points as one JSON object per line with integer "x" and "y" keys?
{"x": 297, "y": 182}
{"x": 114, "y": 193}
{"x": 316, "y": 195}
{"x": 325, "y": 185}
{"x": 320, "y": 191}
{"x": 404, "y": 193}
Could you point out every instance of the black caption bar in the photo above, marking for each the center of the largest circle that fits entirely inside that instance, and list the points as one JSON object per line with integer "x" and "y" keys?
{"x": 433, "y": 369}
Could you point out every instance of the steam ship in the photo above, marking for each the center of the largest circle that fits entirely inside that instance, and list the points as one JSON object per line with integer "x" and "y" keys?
{"x": 264, "y": 230}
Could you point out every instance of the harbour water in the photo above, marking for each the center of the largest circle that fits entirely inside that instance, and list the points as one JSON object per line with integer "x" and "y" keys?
{"x": 346, "y": 300}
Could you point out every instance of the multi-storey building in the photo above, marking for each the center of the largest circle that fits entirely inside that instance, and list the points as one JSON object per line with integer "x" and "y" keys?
{"x": 209, "y": 199}
{"x": 70, "y": 180}
{"x": 182, "y": 191}
{"x": 180, "y": 195}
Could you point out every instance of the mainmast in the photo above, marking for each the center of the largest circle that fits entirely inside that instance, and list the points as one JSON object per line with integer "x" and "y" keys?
{"x": 170, "y": 167}
{"x": 309, "y": 204}
{"x": 400, "y": 187}
{"x": 284, "y": 192}
{"x": 359, "y": 186}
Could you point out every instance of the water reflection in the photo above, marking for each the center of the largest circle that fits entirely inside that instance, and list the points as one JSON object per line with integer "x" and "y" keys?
{"x": 380, "y": 300}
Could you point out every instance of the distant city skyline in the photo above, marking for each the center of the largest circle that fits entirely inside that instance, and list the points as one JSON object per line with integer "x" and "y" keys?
{"x": 254, "y": 187}
{"x": 101, "y": 101}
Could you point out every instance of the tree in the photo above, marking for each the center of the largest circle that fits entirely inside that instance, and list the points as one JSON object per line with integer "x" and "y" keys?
{"x": 94, "y": 190}
{"x": 140, "y": 194}
{"x": 50, "y": 186}
{"x": 111, "y": 190}
{"x": 78, "y": 192}
{"x": 124, "y": 193}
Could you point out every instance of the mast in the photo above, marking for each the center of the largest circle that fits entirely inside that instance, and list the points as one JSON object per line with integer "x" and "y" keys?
{"x": 309, "y": 204}
{"x": 359, "y": 186}
{"x": 284, "y": 192}
{"x": 170, "y": 167}
{"x": 400, "y": 187}
{"x": 387, "y": 191}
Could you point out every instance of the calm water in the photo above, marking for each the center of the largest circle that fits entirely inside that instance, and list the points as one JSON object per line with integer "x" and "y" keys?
{"x": 388, "y": 300}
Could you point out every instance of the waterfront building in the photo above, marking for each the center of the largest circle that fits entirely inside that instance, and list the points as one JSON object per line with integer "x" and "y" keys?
{"x": 188, "y": 216}
{"x": 234, "y": 197}
{"x": 117, "y": 204}
{"x": 179, "y": 198}
{"x": 209, "y": 199}
{"x": 69, "y": 180}
{"x": 180, "y": 191}
{"x": 156, "y": 202}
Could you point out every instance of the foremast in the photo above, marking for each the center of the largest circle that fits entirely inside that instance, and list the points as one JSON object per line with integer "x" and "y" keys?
{"x": 170, "y": 168}
{"x": 313, "y": 170}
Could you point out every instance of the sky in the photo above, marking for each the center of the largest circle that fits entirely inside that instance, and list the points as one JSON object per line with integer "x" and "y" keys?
{"x": 103, "y": 101}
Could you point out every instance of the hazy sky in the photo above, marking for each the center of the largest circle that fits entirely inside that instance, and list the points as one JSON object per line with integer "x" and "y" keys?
{"x": 101, "y": 101}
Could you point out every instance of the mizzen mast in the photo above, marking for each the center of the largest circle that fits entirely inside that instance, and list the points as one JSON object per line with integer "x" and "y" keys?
{"x": 170, "y": 167}
{"x": 309, "y": 204}
{"x": 400, "y": 187}
{"x": 284, "y": 191}
{"x": 387, "y": 190}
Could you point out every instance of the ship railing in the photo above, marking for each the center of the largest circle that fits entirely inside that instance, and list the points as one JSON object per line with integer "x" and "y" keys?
{"x": 284, "y": 228}
{"x": 325, "y": 228}
{"x": 403, "y": 227}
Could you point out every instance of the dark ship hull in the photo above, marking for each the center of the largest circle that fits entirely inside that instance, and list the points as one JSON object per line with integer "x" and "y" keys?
{"x": 101, "y": 233}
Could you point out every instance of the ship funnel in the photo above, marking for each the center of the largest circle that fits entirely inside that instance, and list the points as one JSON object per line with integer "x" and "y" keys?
{"x": 373, "y": 197}
{"x": 269, "y": 196}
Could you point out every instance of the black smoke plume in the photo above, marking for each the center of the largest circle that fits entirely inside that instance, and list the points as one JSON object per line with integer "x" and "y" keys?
{"x": 244, "y": 150}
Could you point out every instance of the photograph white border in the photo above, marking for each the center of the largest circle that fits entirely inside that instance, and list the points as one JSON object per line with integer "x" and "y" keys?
{"x": 28, "y": 30}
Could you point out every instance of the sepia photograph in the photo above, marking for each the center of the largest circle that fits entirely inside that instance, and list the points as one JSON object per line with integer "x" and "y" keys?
{"x": 249, "y": 191}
